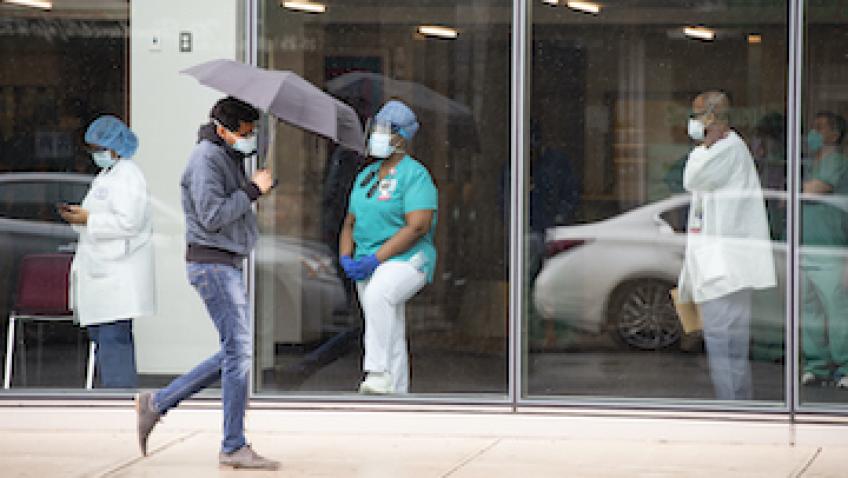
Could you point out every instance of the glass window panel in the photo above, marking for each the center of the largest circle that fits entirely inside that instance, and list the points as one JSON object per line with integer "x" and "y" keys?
{"x": 823, "y": 211}
{"x": 456, "y": 80}
{"x": 609, "y": 209}
{"x": 60, "y": 69}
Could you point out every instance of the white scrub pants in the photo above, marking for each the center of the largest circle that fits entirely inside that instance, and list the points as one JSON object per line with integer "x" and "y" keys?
{"x": 383, "y": 297}
{"x": 727, "y": 333}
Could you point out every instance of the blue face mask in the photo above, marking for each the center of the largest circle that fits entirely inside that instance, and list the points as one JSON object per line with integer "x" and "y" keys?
{"x": 246, "y": 145}
{"x": 103, "y": 159}
{"x": 815, "y": 142}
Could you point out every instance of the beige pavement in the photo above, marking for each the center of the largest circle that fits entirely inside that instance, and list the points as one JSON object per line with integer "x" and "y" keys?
{"x": 100, "y": 442}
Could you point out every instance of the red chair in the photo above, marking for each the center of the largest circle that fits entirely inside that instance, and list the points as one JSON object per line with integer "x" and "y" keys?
{"x": 42, "y": 295}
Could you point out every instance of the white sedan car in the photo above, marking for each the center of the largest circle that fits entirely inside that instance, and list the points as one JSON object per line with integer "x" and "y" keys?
{"x": 615, "y": 275}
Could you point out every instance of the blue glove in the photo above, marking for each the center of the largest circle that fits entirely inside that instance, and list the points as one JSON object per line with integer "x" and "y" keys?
{"x": 366, "y": 266}
{"x": 349, "y": 266}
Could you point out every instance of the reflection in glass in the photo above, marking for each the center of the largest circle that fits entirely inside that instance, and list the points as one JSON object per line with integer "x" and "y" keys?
{"x": 60, "y": 70}
{"x": 455, "y": 78}
{"x": 823, "y": 209}
{"x": 610, "y": 103}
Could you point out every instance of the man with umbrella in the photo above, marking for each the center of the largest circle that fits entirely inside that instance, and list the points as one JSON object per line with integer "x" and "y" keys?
{"x": 221, "y": 231}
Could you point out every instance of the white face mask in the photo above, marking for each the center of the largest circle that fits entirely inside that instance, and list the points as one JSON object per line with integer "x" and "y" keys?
{"x": 697, "y": 130}
{"x": 245, "y": 145}
{"x": 380, "y": 145}
{"x": 103, "y": 159}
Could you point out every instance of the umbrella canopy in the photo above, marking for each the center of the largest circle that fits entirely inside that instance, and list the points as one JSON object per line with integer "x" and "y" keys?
{"x": 353, "y": 84}
{"x": 285, "y": 95}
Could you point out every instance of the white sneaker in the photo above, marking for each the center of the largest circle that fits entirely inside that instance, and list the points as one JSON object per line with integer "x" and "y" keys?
{"x": 809, "y": 378}
{"x": 376, "y": 383}
{"x": 842, "y": 383}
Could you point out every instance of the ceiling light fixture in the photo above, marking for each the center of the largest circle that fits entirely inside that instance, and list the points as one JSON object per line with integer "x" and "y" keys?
{"x": 305, "y": 6}
{"x": 755, "y": 39}
{"x": 585, "y": 7}
{"x": 436, "y": 31}
{"x": 700, "y": 33}
{"x": 551, "y": 2}
{"x": 44, "y": 5}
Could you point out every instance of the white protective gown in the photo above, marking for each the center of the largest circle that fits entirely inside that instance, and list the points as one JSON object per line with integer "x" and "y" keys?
{"x": 728, "y": 245}
{"x": 112, "y": 275}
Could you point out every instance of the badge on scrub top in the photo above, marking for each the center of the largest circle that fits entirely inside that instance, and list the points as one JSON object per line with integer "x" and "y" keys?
{"x": 386, "y": 187}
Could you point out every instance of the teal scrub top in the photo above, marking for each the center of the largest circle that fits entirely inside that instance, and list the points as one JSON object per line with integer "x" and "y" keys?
{"x": 408, "y": 187}
{"x": 823, "y": 224}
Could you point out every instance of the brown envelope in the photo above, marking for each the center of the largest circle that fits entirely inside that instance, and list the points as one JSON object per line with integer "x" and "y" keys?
{"x": 688, "y": 313}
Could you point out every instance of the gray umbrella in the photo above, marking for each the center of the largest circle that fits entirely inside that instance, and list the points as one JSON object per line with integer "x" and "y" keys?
{"x": 287, "y": 96}
{"x": 353, "y": 84}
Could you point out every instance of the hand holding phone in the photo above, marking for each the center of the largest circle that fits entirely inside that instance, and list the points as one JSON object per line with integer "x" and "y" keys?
{"x": 73, "y": 213}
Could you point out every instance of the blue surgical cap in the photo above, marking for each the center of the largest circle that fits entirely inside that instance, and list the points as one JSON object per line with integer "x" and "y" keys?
{"x": 400, "y": 117}
{"x": 110, "y": 132}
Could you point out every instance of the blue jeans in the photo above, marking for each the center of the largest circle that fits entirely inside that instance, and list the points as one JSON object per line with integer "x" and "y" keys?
{"x": 223, "y": 291}
{"x": 115, "y": 354}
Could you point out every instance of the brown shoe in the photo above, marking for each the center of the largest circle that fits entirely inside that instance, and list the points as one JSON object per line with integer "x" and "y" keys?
{"x": 147, "y": 418}
{"x": 246, "y": 458}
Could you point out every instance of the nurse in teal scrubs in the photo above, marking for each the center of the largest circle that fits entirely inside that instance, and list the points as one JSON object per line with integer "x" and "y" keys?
{"x": 824, "y": 237}
{"x": 386, "y": 244}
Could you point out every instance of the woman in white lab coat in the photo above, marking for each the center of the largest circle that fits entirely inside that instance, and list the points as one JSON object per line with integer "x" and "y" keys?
{"x": 112, "y": 275}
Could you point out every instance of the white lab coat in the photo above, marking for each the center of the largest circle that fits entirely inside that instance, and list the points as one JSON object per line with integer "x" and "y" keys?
{"x": 732, "y": 251}
{"x": 112, "y": 275}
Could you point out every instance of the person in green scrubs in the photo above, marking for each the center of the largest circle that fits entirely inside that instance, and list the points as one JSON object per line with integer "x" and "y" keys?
{"x": 386, "y": 244}
{"x": 823, "y": 240}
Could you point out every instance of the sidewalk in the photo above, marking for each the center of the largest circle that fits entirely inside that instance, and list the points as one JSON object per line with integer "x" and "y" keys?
{"x": 100, "y": 442}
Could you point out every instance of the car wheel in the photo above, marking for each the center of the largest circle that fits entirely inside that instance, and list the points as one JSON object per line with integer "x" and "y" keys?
{"x": 642, "y": 315}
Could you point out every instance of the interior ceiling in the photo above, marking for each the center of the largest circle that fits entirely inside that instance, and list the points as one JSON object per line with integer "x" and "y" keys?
{"x": 716, "y": 12}
{"x": 500, "y": 12}
{"x": 70, "y": 9}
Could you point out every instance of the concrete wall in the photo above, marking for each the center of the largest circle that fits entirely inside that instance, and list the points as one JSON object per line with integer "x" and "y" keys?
{"x": 166, "y": 109}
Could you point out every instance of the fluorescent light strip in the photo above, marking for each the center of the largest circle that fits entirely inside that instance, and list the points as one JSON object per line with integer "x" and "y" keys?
{"x": 551, "y": 2}
{"x": 586, "y": 7}
{"x": 436, "y": 31}
{"x": 309, "y": 7}
{"x": 701, "y": 33}
{"x": 32, "y": 3}
{"x": 755, "y": 39}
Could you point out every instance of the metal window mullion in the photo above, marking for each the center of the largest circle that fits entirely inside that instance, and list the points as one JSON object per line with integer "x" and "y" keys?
{"x": 251, "y": 58}
{"x": 794, "y": 109}
{"x": 518, "y": 123}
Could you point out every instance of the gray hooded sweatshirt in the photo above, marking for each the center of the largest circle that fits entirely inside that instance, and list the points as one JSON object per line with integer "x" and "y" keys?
{"x": 217, "y": 199}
